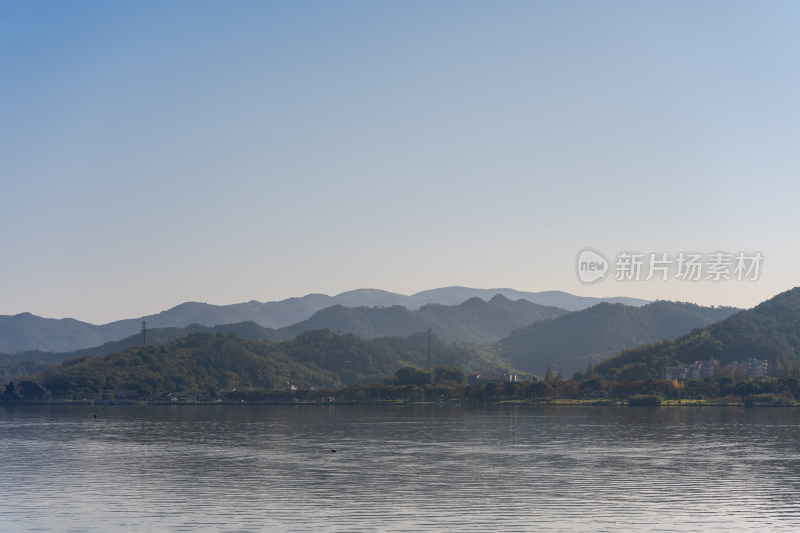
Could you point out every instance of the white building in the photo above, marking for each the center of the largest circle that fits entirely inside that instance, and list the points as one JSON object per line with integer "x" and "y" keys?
{"x": 756, "y": 368}
{"x": 696, "y": 370}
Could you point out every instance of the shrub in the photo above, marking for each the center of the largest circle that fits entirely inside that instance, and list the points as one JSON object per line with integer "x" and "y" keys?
{"x": 644, "y": 400}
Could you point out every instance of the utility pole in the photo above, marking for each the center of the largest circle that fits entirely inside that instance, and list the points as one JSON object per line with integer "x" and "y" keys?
{"x": 144, "y": 332}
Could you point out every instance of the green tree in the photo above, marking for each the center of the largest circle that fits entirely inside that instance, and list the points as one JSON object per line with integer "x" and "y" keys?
{"x": 535, "y": 389}
{"x": 592, "y": 385}
{"x": 408, "y": 375}
{"x": 448, "y": 375}
{"x": 590, "y": 372}
{"x": 10, "y": 394}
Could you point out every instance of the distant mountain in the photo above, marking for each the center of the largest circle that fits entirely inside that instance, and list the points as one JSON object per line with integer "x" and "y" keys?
{"x": 572, "y": 341}
{"x": 472, "y": 321}
{"x": 364, "y": 322}
{"x": 770, "y": 331}
{"x": 372, "y": 298}
{"x": 562, "y": 300}
{"x": 25, "y": 331}
{"x": 29, "y": 332}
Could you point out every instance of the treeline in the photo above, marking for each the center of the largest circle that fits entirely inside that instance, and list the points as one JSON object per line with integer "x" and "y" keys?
{"x": 723, "y": 390}
{"x": 448, "y": 385}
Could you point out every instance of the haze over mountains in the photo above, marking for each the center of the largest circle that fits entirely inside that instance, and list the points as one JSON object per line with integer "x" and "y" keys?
{"x": 527, "y": 336}
{"x": 374, "y": 344}
{"x": 25, "y": 331}
{"x": 475, "y": 320}
{"x": 572, "y": 341}
{"x": 247, "y": 355}
{"x": 770, "y": 331}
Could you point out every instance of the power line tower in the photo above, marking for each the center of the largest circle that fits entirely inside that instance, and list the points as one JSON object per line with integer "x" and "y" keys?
{"x": 144, "y": 333}
{"x": 430, "y": 366}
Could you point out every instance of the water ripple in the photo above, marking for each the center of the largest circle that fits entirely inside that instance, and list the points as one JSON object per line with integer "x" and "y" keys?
{"x": 252, "y": 468}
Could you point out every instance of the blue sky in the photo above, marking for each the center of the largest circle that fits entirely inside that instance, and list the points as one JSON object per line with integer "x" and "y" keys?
{"x": 154, "y": 152}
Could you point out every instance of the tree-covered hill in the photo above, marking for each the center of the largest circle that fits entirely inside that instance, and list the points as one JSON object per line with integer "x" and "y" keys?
{"x": 199, "y": 362}
{"x": 475, "y": 320}
{"x": 155, "y": 336}
{"x": 25, "y": 332}
{"x": 574, "y": 340}
{"x": 204, "y": 363}
{"x": 770, "y": 331}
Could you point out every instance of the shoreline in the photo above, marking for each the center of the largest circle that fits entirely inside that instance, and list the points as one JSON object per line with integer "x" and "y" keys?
{"x": 393, "y": 403}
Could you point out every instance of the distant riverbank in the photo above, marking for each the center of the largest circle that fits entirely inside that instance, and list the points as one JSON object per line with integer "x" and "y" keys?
{"x": 400, "y": 403}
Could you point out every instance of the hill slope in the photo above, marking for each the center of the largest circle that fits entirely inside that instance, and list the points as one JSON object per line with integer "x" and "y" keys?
{"x": 472, "y": 321}
{"x": 572, "y": 341}
{"x": 25, "y": 332}
{"x": 155, "y": 336}
{"x": 563, "y": 300}
{"x": 206, "y": 363}
{"x": 771, "y": 331}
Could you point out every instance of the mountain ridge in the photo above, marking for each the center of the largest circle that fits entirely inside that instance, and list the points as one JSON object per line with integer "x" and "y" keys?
{"x": 770, "y": 330}
{"x": 572, "y": 341}
{"x": 474, "y": 320}
{"x": 25, "y": 331}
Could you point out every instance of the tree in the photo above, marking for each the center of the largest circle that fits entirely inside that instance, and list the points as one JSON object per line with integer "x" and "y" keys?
{"x": 30, "y": 390}
{"x": 408, "y": 375}
{"x": 448, "y": 375}
{"x": 10, "y": 395}
{"x": 548, "y": 375}
{"x": 591, "y": 385}
{"x": 535, "y": 389}
{"x": 590, "y": 372}
{"x": 568, "y": 389}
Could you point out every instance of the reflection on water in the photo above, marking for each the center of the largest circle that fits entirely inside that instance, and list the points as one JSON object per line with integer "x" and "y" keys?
{"x": 263, "y": 468}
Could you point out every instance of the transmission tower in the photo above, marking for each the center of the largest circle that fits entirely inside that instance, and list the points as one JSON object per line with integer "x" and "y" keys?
{"x": 430, "y": 366}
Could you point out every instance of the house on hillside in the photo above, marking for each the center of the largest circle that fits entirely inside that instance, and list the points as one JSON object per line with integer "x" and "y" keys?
{"x": 756, "y": 368}
{"x": 696, "y": 370}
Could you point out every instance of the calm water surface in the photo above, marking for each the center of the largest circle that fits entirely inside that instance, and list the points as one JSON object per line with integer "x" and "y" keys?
{"x": 263, "y": 468}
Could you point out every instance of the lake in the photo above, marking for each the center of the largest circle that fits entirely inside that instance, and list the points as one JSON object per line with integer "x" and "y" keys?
{"x": 405, "y": 468}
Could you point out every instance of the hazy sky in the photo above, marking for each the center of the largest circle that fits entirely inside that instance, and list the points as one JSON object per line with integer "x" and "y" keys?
{"x": 154, "y": 152}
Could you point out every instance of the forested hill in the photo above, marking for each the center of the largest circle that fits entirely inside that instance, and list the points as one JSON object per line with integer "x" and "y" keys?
{"x": 768, "y": 331}
{"x": 24, "y": 331}
{"x": 472, "y": 321}
{"x": 574, "y": 340}
{"x": 155, "y": 336}
{"x": 475, "y": 320}
{"x": 208, "y": 363}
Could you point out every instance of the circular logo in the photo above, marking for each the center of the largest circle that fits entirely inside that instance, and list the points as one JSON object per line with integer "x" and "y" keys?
{"x": 591, "y": 266}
